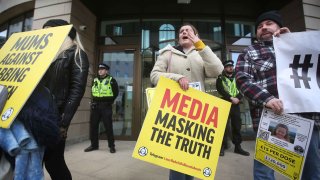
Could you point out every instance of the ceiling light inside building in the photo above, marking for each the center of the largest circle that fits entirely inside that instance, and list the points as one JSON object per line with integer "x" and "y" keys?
{"x": 184, "y": 1}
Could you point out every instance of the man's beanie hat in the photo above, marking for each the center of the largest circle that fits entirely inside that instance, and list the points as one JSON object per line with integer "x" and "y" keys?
{"x": 270, "y": 15}
{"x": 60, "y": 22}
{"x": 227, "y": 63}
{"x": 104, "y": 66}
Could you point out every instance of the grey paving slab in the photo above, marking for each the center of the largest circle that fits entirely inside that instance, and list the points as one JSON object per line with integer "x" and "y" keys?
{"x": 102, "y": 165}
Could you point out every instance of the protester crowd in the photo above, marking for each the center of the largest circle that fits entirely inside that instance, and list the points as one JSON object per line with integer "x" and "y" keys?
{"x": 37, "y": 137}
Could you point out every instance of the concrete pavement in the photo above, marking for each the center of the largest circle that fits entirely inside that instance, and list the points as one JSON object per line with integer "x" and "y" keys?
{"x": 102, "y": 165}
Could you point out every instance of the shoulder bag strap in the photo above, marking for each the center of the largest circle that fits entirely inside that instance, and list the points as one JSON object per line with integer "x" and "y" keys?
{"x": 169, "y": 62}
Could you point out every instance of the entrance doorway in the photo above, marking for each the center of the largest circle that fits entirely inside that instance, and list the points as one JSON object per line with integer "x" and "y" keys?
{"x": 246, "y": 128}
{"x": 125, "y": 68}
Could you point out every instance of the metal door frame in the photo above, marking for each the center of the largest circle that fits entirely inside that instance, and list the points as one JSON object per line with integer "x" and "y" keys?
{"x": 136, "y": 91}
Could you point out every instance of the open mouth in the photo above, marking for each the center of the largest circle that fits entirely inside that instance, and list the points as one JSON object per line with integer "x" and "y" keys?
{"x": 266, "y": 34}
{"x": 184, "y": 37}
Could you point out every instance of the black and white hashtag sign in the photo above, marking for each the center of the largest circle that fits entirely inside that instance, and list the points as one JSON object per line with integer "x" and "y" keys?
{"x": 298, "y": 71}
{"x": 305, "y": 66}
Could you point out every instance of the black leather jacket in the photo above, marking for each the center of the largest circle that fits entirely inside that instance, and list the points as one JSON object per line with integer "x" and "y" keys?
{"x": 67, "y": 82}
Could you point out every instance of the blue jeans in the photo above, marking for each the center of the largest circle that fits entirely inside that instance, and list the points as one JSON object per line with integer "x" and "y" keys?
{"x": 311, "y": 170}
{"x": 174, "y": 175}
{"x": 16, "y": 138}
{"x": 18, "y": 142}
{"x": 29, "y": 165}
{"x": 262, "y": 172}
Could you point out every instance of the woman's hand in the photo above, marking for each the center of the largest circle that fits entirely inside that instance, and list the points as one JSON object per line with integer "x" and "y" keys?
{"x": 194, "y": 38}
{"x": 184, "y": 83}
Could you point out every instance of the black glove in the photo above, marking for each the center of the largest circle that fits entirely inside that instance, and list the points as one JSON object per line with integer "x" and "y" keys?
{"x": 93, "y": 105}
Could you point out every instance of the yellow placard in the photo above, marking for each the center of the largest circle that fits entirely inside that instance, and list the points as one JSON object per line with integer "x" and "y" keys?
{"x": 24, "y": 59}
{"x": 280, "y": 159}
{"x": 282, "y": 142}
{"x": 183, "y": 130}
{"x": 150, "y": 94}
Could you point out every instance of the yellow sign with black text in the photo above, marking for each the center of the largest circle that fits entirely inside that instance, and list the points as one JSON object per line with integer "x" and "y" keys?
{"x": 24, "y": 59}
{"x": 280, "y": 159}
{"x": 150, "y": 94}
{"x": 283, "y": 141}
{"x": 183, "y": 130}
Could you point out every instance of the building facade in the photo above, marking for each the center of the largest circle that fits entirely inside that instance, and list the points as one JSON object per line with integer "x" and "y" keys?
{"x": 127, "y": 34}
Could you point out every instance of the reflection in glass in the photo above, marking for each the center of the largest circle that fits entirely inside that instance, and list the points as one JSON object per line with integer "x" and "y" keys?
{"x": 166, "y": 32}
{"x": 3, "y": 35}
{"x": 239, "y": 33}
{"x": 16, "y": 25}
{"x": 121, "y": 68}
{"x": 28, "y": 24}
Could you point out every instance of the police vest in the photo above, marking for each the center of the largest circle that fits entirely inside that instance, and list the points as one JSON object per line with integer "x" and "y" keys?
{"x": 230, "y": 86}
{"x": 102, "y": 88}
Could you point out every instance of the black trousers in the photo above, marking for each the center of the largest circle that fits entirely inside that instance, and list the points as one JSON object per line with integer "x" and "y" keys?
{"x": 55, "y": 163}
{"x": 235, "y": 120}
{"x": 101, "y": 111}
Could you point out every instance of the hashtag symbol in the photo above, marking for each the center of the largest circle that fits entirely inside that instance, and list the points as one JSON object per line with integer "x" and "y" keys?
{"x": 305, "y": 67}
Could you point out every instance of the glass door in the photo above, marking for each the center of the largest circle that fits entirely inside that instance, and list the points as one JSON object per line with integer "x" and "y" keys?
{"x": 246, "y": 128}
{"x": 123, "y": 62}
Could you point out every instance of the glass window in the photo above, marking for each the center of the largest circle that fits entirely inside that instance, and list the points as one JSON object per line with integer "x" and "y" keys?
{"x": 28, "y": 22}
{"x": 117, "y": 31}
{"x": 120, "y": 32}
{"x": 19, "y": 24}
{"x": 157, "y": 33}
{"x": 145, "y": 39}
{"x": 239, "y": 29}
{"x": 217, "y": 34}
{"x": 16, "y": 25}
{"x": 234, "y": 56}
{"x": 239, "y": 33}
{"x": 166, "y": 35}
{"x": 117, "y": 73}
{"x": 121, "y": 68}
{"x": 3, "y": 35}
{"x": 120, "y": 28}
{"x": 209, "y": 31}
{"x": 120, "y": 64}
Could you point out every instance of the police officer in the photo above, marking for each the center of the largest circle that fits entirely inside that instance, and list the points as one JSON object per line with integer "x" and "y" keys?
{"x": 226, "y": 87}
{"x": 104, "y": 92}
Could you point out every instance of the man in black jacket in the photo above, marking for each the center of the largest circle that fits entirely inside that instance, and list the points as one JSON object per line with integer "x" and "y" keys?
{"x": 104, "y": 92}
{"x": 227, "y": 88}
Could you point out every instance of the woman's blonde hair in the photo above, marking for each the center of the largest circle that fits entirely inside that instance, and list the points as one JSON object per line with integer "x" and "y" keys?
{"x": 68, "y": 43}
{"x": 71, "y": 40}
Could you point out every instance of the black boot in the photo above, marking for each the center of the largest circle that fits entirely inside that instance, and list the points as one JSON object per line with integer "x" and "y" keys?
{"x": 222, "y": 150}
{"x": 91, "y": 148}
{"x": 112, "y": 150}
{"x": 239, "y": 150}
